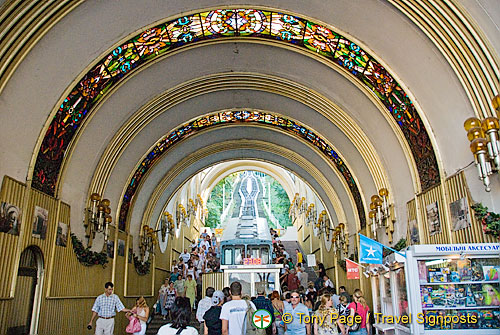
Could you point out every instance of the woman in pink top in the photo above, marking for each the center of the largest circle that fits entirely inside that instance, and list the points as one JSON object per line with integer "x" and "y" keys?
{"x": 360, "y": 306}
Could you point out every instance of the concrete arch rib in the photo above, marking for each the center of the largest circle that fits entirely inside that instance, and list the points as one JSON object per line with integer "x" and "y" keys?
{"x": 244, "y": 81}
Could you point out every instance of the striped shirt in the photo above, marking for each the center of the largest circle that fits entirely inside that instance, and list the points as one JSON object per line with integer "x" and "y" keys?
{"x": 107, "y": 307}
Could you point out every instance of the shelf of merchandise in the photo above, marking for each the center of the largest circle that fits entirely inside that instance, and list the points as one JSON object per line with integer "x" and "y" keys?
{"x": 480, "y": 255}
{"x": 458, "y": 308}
{"x": 461, "y": 282}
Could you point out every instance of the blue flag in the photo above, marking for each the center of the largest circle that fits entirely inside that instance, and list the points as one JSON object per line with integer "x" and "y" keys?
{"x": 371, "y": 251}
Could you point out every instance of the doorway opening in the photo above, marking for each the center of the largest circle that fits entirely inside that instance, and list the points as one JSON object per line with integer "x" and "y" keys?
{"x": 28, "y": 293}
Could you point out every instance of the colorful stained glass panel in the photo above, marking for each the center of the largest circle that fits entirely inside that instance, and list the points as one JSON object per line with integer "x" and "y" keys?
{"x": 287, "y": 28}
{"x": 378, "y": 79}
{"x": 351, "y": 57}
{"x": 320, "y": 39}
{"x": 222, "y": 22}
{"x": 122, "y": 60}
{"x": 186, "y": 29}
{"x": 152, "y": 42}
{"x": 253, "y": 22}
{"x": 95, "y": 83}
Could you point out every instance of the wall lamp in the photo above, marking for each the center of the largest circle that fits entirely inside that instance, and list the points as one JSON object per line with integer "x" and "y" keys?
{"x": 484, "y": 143}
{"x": 97, "y": 217}
{"x": 166, "y": 225}
{"x": 381, "y": 213}
{"x": 148, "y": 241}
{"x": 180, "y": 215}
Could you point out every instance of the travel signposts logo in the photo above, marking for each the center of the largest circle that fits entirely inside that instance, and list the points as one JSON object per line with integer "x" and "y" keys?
{"x": 261, "y": 319}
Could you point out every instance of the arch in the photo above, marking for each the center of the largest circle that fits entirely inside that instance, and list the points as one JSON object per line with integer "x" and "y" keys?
{"x": 223, "y": 118}
{"x": 28, "y": 291}
{"x": 271, "y": 26}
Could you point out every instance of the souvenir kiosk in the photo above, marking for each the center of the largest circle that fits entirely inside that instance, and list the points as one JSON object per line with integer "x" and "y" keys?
{"x": 454, "y": 288}
{"x": 389, "y": 295}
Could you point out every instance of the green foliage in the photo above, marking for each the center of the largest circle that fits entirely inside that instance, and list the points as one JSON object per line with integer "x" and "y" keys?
{"x": 280, "y": 203}
{"x": 86, "y": 256}
{"x": 400, "y": 245}
{"x": 214, "y": 203}
{"x": 489, "y": 220}
{"x": 142, "y": 268}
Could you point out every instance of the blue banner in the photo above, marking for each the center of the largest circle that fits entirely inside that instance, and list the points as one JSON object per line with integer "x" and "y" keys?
{"x": 371, "y": 251}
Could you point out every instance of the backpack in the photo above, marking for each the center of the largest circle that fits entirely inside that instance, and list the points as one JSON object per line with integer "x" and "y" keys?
{"x": 249, "y": 327}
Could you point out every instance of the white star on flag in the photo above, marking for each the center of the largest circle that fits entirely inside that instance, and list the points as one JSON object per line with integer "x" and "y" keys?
{"x": 371, "y": 251}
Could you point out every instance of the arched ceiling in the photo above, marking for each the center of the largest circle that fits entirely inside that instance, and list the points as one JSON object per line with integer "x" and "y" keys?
{"x": 238, "y": 73}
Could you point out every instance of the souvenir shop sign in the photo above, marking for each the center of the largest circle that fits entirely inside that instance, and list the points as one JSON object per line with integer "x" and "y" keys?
{"x": 472, "y": 248}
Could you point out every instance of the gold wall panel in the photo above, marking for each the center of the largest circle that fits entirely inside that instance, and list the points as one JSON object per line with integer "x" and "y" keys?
{"x": 212, "y": 279}
{"x": 456, "y": 187}
{"x": 13, "y": 192}
{"x": 20, "y": 303}
{"x": 88, "y": 280}
{"x": 434, "y": 195}
{"x": 138, "y": 285}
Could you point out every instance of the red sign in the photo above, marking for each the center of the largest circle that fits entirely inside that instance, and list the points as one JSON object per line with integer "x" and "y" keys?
{"x": 352, "y": 270}
{"x": 252, "y": 261}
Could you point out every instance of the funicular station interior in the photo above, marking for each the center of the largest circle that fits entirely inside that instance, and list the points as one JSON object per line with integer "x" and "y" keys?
{"x": 356, "y": 107}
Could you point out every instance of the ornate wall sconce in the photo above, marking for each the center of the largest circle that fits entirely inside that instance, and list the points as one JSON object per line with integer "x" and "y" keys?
{"x": 381, "y": 213}
{"x": 191, "y": 210}
{"x": 340, "y": 240}
{"x": 180, "y": 215}
{"x": 302, "y": 205}
{"x": 147, "y": 241}
{"x": 166, "y": 225}
{"x": 311, "y": 214}
{"x": 484, "y": 144}
{"x": 97, "y": 217}
{"x": 293, "y": 205}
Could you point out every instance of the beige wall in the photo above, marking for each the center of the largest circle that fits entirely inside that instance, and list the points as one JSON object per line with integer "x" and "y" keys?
{"x": 69, "y": 288}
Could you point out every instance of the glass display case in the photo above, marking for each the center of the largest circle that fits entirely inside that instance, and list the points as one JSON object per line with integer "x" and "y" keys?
{"x": 253, "y": 277}
{"x": 389, "y": 296}
{"x": 454, "y": 289}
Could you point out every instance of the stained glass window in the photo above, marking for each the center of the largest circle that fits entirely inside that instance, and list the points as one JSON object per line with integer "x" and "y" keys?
{"x": 246, "y": 22}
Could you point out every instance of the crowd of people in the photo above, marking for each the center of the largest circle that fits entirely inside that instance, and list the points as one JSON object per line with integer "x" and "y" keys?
{"x": 228, "y": 312}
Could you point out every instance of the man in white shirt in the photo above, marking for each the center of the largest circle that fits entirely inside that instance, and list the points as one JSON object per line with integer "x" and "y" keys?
{"x": 203, "y": 306}
{"x": 105, "y": 307}
{"x": 233, "y": 312}
{"x": 328, "y": 282}
{"x": 185, "y": 256}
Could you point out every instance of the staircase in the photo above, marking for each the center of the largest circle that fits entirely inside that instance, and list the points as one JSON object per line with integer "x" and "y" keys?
{"x": 290, "y": 247}
{"x": 158, "y": 321}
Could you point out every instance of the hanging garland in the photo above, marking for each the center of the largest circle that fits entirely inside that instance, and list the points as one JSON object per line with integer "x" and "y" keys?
{"x": 398, "y": 247}
{"x": 142, "y": 268}
{"x": 86, "y": 256}
{"x": 489, "y": 220}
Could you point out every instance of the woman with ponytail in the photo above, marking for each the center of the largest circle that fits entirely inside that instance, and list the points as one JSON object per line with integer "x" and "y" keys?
{"x": 360, "y": 307}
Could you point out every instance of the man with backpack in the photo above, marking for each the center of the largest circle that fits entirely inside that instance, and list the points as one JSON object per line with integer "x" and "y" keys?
{"x": 236, "y": 315}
